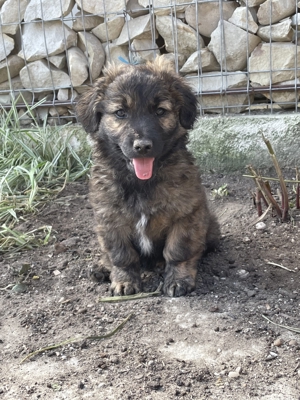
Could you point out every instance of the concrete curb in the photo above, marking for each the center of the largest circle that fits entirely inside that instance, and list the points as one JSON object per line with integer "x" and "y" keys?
{"x": 232, "y": 143}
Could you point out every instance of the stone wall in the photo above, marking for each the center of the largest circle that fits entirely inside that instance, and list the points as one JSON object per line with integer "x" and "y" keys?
{"x": 54, "y": 49}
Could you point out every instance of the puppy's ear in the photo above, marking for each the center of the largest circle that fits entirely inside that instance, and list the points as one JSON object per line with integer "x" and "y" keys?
{"x": 188, "y": 109}
{"x": 88, "y": 108}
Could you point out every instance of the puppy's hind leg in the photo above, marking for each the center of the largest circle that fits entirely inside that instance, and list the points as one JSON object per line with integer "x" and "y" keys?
{"x": 213, "y": 234}
{"x": 100, "y": 272}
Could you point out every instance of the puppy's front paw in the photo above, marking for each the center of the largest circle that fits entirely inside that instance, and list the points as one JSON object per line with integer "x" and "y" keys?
{"x": 178, "y": 287}
{"x": 125, "y": 282}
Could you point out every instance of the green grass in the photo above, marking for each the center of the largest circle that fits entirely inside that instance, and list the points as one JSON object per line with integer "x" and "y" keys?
{"x": 36, "y": 162}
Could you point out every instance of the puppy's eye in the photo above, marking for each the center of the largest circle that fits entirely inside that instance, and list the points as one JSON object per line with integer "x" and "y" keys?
{"x": 121, "y": 114}
{"x": 160, "y": 111}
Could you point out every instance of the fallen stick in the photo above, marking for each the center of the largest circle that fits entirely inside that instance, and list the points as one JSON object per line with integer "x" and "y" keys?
{"x": 290, "y": 328}
{"x": 268, "y": 196}
{"x": 55, "y": 346}
{"x": 262, "y": 216}
{"x": 279, "y": 265}
{"x": 137, "y": 296}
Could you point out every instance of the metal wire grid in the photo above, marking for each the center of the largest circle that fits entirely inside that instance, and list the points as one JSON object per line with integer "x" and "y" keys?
{"x": 227, "y": 100}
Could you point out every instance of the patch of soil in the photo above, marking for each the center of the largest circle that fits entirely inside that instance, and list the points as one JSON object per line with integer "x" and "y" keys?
{"x": 213, "y": 344}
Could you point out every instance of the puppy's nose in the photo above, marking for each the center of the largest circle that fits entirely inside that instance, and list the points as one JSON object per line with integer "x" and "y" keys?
{"x": 142, "y": 146}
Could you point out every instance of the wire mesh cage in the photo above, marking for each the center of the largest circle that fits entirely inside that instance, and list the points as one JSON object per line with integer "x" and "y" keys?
{"x": 240, "y": 57}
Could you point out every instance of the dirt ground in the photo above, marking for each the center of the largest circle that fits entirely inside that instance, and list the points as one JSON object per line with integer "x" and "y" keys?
{"x": 213, "y": 344}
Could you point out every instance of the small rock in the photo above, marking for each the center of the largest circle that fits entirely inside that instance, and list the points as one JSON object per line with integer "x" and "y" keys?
{"x": 278, "y": 342}
{"x": 38, "y": 75}
{"x": 110, "y": 29}
{"x": 260, "y": 226}
{"x": 251, "y": 293}
{"x": 239, "y": 370}
{"x": 170, "y": 340}
{"x": 293, "y": 342}
{"x": 233, "y": 374}
{"x": 188, "y": 39}
{"x": 59, "y": 38}
{"x": 47, "y": 10}
{"x": 137, "y": 28}
{"x": 271, "y": 356}
{"x": 246, "y": 239}
{"x": 6, "y": 46}
{"x": 243, "y": 274}
{"x": 78, "y": 65}
{"x": 85, "y": 22}
{"x": 214, "y": 309}
{"x": 279, "y": 10}
{"x": 238, "y": 45}
{"x": 82, "y": 311}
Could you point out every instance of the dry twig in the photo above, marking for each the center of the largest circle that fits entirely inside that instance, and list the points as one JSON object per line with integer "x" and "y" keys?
{"x": 262, "y": 216}
{"x": 55, "y": 346}
{"x": 279, "y": 265}
{"x": 290, "y": 328}
{"x": 138, "y": 296}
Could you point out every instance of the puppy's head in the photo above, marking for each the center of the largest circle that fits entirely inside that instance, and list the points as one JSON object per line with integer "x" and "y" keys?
{"x": 139, "y": 111}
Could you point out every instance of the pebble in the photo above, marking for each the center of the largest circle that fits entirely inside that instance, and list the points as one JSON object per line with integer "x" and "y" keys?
{"x": 239, "y": 370}
{"x": 260, "y": 226}
{"x": 243, "y": 274}
{"x": 278, "y": 342}
{"x": 233, "y": 374}
{"x": 81, "y": 385}
{"x": 293, "y": 342}
{"x": 213, "y": 309}
{"x": 271, "y": 356}
{"x": 251, "y": 293}
{"x": 246, "y": 239}
{"x": 82, "y": 310}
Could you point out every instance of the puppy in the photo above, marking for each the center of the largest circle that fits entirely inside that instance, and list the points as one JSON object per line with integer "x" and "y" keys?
{"x": 148, "y": 201}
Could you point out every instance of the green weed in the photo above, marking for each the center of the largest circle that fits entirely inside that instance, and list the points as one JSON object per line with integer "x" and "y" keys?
{"x": 36, "y": 162}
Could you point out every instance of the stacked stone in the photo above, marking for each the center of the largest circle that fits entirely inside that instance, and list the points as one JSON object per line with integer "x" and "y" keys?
{"x": 55, "y": 48}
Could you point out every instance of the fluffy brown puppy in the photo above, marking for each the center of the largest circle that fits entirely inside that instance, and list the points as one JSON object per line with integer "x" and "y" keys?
{"x": 145, "y": 189}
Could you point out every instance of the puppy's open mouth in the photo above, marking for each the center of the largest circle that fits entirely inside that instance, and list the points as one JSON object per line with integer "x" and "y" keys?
{"x": 143, "y": 167}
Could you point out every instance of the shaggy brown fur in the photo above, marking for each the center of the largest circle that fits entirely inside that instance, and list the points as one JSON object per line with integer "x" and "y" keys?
{"x": 146, "y": 191}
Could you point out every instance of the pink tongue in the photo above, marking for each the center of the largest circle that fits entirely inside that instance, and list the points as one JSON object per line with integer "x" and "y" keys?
{"x": 143, "y": 167}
